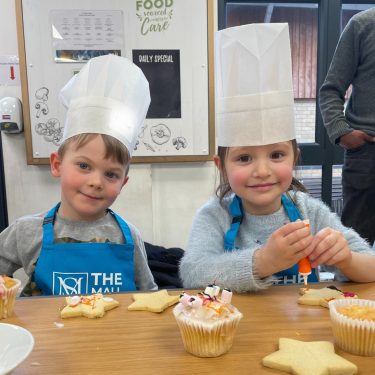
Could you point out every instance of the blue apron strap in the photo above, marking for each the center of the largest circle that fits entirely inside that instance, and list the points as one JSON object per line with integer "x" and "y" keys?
{"x": 48, "y": 221}
{"x": 124, "y": 227}
{"x": 236, "y": 212}
{"x": 290, "y": 208}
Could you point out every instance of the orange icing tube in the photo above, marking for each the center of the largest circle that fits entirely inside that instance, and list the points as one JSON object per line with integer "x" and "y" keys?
{"x": 304, "y": 266}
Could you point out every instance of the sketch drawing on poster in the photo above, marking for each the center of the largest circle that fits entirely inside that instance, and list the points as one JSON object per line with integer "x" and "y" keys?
{"x": 179, "y": 142}
{"x": 41, "y": 106}
{"x": 41, "y": 109}
{"x": 160, "y": 134}
{"x": 42, "y": 94}
{"x": 140, "y": 140}
{"x": 51, "y": 130}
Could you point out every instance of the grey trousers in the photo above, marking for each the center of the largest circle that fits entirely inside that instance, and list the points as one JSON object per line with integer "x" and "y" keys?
{"x": 358, "y": 182}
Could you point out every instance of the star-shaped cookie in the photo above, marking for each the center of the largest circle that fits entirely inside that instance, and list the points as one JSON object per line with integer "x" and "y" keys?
{"x": 308, "y": 358}
{"x": 322, "y": 296}
{"x": 93, "y": 306}
{"x": 155, "y": 302}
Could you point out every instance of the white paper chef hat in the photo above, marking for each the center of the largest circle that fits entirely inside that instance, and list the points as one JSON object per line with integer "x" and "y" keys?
{"x": 110, "y": 95}
{"x": 254, "y": 86}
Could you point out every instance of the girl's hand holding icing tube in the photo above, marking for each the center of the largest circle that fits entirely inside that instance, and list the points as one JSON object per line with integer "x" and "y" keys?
{"x": 330, "y": 247}
{"x": 284, "y": 248}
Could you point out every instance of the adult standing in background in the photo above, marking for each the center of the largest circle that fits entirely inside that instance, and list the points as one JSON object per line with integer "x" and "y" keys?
{"x": 353, "y": 127}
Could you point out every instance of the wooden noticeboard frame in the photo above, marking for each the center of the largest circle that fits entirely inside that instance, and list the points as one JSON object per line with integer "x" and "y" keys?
{"x": 185, "y": 29}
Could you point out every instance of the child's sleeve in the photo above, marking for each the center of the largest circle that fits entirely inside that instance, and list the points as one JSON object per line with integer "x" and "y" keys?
{"x": 143, "y": 276}
{"x": 20, "y": 245}
{"x": 9, "y": 257}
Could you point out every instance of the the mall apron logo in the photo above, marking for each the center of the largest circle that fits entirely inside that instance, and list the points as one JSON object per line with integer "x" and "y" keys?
{"x": 155, "y": 15}
{"x": 65, "y": 283}
{"x": 289, "y": 279}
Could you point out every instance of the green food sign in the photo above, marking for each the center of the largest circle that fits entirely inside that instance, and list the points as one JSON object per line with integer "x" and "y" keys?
{"x": 154, "y": 15}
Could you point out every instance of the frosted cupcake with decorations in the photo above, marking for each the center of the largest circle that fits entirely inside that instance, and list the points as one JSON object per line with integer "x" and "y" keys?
{"x": 8, "y": 292}
{"x": 207, "y": 321}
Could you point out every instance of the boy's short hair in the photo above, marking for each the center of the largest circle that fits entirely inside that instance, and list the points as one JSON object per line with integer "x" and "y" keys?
{"x": 114, "y": 148}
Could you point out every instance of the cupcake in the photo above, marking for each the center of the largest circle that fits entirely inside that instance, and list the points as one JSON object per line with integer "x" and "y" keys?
{"x": 207, "y": 321}
{"x": 353, "y": 325}
{"x": 8, "y": 292}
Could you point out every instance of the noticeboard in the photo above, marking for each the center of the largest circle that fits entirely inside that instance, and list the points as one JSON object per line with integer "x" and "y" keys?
{"x": 170, "y": 40}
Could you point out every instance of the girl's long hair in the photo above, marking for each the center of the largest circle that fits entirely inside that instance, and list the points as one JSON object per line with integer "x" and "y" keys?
{"x": 224, "y": 188}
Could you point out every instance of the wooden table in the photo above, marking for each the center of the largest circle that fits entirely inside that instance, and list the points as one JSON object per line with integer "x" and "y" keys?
{"x": 141, "y": 342}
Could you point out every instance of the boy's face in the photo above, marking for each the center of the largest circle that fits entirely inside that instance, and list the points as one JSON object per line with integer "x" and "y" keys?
{"x": 89, "y": 182}
{"x": 259, "y": 175}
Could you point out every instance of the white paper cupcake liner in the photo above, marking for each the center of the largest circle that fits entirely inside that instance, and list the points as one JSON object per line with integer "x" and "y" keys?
{"x": 208, "y": 339}
{"x": 355, "y": 336}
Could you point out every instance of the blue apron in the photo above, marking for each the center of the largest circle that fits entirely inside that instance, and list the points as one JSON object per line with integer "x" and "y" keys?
{"x": 84, "y": 268}
{"x": 288, "y": 276}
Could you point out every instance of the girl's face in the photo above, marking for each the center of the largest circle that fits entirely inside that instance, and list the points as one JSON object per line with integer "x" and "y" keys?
{"x": 90, "y": 183}
{"x": 259, "y": 175}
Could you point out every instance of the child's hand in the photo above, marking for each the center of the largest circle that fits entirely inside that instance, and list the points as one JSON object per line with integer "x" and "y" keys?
{"x": 330, "y": 247}
{"x": 284, "y": 248}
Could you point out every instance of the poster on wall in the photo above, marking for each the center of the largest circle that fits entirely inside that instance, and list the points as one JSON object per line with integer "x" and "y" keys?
{"x": 79, "y": 35}
{"x": 158, "y": 36}
{"x": 162, "y": 70}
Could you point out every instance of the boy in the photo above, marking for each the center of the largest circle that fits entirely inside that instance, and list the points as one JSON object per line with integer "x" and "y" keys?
{"x": 80, "y": 246}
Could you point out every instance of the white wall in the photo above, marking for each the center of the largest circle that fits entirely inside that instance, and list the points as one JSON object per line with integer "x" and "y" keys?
{"x": 160, "y": 199}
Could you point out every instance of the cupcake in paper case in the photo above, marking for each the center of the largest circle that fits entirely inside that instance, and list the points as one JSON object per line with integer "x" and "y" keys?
{"x": 8, "y": 292}
{"x": 207, "y": 321}
{"x": 353, "y": 325}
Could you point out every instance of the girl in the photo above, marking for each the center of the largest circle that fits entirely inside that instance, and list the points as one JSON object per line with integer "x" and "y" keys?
{"x": 252, "y": 234}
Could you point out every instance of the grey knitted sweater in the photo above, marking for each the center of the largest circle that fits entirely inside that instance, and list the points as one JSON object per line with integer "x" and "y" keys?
{"x": 205, "y": 260}
{"x": 353, "y": 63}
{"x": 20, "y": 243}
